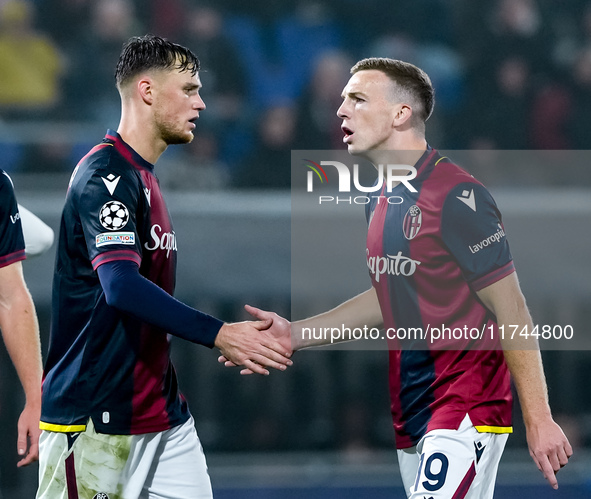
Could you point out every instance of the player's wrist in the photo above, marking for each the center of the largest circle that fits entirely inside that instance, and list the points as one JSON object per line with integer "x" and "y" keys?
{"x": 32, "y": 406}
{"x": 537, "y": 417}
{"x": 220, "y": 338}
{"x": 296, "y": 337}
{"x": 32, "y": 393}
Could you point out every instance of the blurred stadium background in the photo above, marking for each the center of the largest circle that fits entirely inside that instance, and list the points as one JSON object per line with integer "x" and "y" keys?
{"x": 509, "y": 74}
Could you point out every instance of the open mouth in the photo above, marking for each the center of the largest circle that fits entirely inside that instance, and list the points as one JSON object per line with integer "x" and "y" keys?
{"x": 347, "y": 131}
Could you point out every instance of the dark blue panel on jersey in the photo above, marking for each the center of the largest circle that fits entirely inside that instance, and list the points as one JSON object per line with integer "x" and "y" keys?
{"x": 472, "y": 230}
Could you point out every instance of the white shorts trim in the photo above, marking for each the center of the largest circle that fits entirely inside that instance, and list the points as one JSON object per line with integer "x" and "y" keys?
{"x": 452, "y": 464}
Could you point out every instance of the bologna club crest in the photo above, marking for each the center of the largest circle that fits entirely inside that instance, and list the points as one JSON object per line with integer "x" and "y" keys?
{"x": 412, "y": 222}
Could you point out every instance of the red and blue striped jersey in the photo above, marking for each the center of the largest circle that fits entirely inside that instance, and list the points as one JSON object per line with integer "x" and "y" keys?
{"x": 102, "y": 363}
{"x": 428, "y": 252}
{"x": 12, "y": 243}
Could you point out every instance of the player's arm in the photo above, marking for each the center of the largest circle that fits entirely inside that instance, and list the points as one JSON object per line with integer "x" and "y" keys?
{"x": 245, "y": 343}
{"x": 548, "y": 446}
{"x": 361, "y": 310}
{"x": 20, "y": 331}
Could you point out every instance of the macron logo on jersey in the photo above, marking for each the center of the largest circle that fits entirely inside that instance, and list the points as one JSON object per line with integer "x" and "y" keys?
{"x": 468, "y": 199}
{"x": 111, "y": 182}
{"x": 147, "y": 192}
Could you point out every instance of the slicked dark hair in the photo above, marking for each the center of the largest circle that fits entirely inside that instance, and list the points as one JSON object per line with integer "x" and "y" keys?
{"x": 408, "y": 78}
{"x": 142, "y": 53}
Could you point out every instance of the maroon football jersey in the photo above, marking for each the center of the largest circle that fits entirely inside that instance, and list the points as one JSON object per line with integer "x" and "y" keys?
{"x": 428, "y": 252}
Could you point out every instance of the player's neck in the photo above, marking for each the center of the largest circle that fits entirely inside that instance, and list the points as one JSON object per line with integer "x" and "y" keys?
{"x": 401, "y": 152}
{"x": 141, "y": 138}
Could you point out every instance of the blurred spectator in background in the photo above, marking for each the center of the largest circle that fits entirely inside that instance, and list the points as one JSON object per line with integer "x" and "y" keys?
{"x": 446, "y": 69}
{"x": 317, "y": 124}
{"x": 163, "y": 17}
{"x": 269, "y": 163}
{"x": 30, "y": 66}
{"x": 484, "y": 59}
{"x": 51, "y": 155}
{"x": 66, "y": 21}
{"x": 504, "y": 27}
{"x": 204, "y": 32}
{"x": 259, "y": 53}
{"x": 506, "y": 47}
{"x": 263, "y": 10}
{"x": 517, "y": 27}
{"x": 403, "y": 17}
{"x": 93, "y": 96}
{"x": 196, "y": 166}
{"x": 579, "y": 125}
{"x": 551, "y": 110}
{"x": 279, "y": 53}
{"x": 224, "y": 80}
{"x": 68, "y": 24}
{"x": 501, "y": 121}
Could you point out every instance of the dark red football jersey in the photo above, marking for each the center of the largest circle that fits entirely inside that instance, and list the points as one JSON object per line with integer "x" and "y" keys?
{"x": 102, "y": 363}
{"x": 428, "y": 252}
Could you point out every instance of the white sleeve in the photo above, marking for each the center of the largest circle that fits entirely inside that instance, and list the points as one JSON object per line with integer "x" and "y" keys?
{"x": 38, "y": 235}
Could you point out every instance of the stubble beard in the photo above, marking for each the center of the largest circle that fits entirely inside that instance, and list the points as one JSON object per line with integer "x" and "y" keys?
{"x": 172, "y": 133}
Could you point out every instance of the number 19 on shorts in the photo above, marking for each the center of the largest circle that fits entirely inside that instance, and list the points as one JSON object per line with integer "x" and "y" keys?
{"x": 434, "y": 472}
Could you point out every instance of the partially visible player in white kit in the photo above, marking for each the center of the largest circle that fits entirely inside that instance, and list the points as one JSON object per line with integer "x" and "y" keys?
{"x": 114, "y": 422}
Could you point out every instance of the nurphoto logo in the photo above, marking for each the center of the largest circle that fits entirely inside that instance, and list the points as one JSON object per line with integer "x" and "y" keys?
{"x": 390, "y": 174}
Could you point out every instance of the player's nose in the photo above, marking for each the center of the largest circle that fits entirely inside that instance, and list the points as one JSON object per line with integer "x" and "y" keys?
{"x": 198, "y": 103}
{"x": 342, "y": 111}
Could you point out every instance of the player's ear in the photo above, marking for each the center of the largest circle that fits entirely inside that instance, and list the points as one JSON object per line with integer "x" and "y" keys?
{"x": 145, "y": 87}
{"x": 402, "y": 115}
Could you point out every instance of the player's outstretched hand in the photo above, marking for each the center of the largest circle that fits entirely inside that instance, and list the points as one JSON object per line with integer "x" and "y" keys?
{"x": 250, "y": 344}
{"x": 280, "y": 329}
{"x": 28, "y": 435}
{"x": 549, "y": 448}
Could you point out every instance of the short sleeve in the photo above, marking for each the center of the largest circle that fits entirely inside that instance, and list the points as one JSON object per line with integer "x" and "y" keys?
{"x": 472, "y": 229}
{"x": 12, "y": 243}
{"x": 108, "y": 208}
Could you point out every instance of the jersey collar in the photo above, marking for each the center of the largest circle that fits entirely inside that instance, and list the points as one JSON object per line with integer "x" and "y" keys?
{"x": 427, "y": 162}
{"x": 126, "y": 151}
